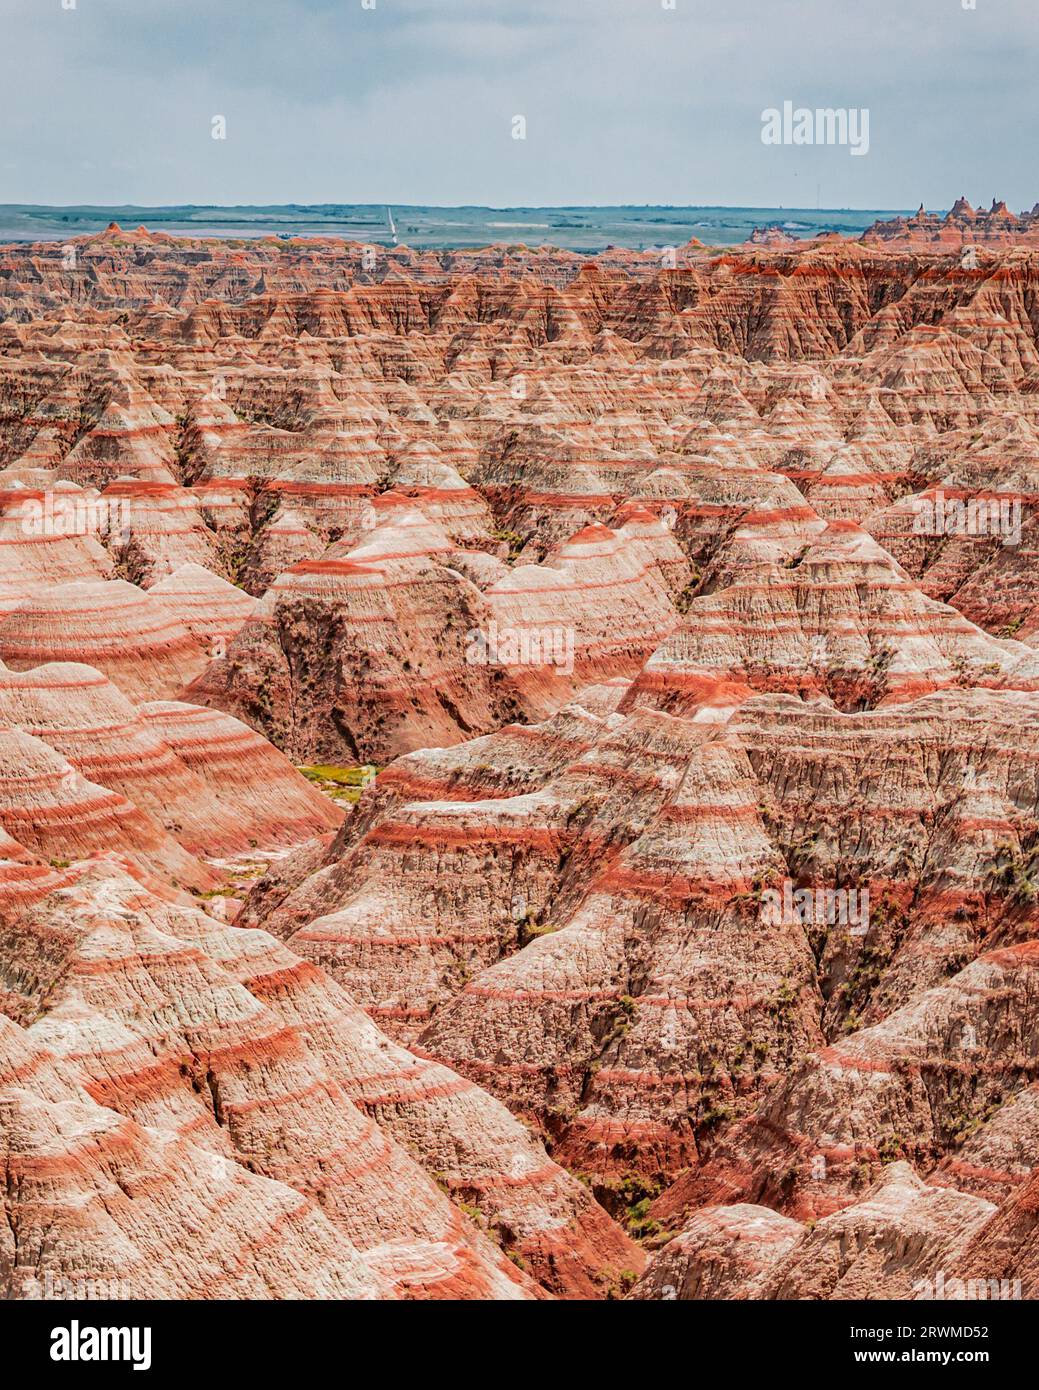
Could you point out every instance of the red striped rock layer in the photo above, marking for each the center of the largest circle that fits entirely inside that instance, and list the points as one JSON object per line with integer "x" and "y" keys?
{"x": 34, "y": 555}
{"x": 456, "y": 1130}
{"x": 592, "y": 1026}
{"x": 927, "y": 804}
{"x": 354, "y": 659}
{"x": 571, "y": 914}
{"x": 594, "y": 610}
{"x": 48, "y": 807}
{"x": 588, "y": 938}
{"x": 968, "y": 537}
{"x": 900, "y": 1240}
{"x": 407, "y": 642}
{"x": 140, "y": 996}
{"x": 998, "y": 1157}
{"x": 107, "y": 1208}
{"x": 516, "y": 759}
{"x": 721, "y": 1252}
{"x": 658, "y": 1007}
{"x": 140, "y": 1013}
{"x": 161, "y": 529}
{"x": 914, "y": 1085}
{"x": 838, "y": 618}
{"x": 133, "y": 638}
{"x": 210, "y": 608}
{"x": 213, "y": 783}
{"x": 834, "y": 365}
{"x": 88, "y": 408}
{"x": 1003, "y": 1257}
{"x": 557, "y": 790}
{"x": 507, "y": 361}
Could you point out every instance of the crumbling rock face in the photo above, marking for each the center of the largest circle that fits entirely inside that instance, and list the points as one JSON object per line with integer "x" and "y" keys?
{"x": 332, "y": 668}
{"x": 209, "y": 781}
{"x": 901, "y": 1240}
{"x": 723, "y": 1252}
{"x": 136, "y": 1211}
{"x": 222, "y": 1038}
{"x": 688, "y": 620}
{"x": 612, "y": 950}
{"x": 264, "y": 411}
{"x": 134, "y": 638}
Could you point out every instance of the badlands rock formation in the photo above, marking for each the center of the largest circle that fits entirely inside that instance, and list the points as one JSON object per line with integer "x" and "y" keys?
{"x": 962, "y": 224}
{"x": 666, "y": 639}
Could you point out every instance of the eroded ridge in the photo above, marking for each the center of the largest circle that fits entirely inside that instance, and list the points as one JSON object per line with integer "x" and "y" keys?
{"x": 657, "y": 912}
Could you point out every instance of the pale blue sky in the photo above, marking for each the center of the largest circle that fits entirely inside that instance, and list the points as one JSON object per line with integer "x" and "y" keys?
{"x": 412, "y": 101}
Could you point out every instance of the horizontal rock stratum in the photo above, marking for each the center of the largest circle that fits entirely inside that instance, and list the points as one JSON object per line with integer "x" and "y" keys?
{"x": 519, "y": 772}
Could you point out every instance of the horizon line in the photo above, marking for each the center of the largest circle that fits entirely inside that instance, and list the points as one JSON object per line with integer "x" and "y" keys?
{"x": 478, "y": 207}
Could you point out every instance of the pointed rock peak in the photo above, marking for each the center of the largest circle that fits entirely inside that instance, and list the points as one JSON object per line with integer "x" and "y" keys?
{"x": 592, "y": 534}
{"x": 897, "y": 1178}
{"x": 961, "y": 208}
{"x": 589, "y": 270}
{"x": 873, "y": 421}
{"x": 845, "y": 541}
{"x": 191, "y": 576}
{"x": 640, "y": 514}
